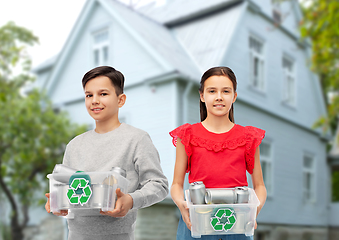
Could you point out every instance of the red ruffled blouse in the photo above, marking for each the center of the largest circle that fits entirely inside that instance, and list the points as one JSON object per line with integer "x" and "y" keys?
{"x": 219, "y": 160}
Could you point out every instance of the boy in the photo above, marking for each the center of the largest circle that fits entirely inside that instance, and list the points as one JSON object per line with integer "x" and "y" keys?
{"x": 113, "y": 144}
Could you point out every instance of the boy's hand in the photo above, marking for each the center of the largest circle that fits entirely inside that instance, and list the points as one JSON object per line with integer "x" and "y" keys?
{"x": 123, "y": 204}
{"x": 48, "y": 208}
{"x": 185, "y": 214}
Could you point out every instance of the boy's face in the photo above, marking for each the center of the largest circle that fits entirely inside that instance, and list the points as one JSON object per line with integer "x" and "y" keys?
{"x": 101, "y": 101}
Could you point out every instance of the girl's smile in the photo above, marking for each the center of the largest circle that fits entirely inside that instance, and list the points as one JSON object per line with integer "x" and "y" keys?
{"x": 219, "y": 106}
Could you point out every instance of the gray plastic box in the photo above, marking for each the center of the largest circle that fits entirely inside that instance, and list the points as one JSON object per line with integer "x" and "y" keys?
{"x": 220, "y": 219}
{"x": 85, "y": 190}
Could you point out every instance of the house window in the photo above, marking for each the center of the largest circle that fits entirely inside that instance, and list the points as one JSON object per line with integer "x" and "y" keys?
{"x": 309, "y": 178}
{"x": 257, "y": 63}
{"x": 289, "y": 81}
{"x": 266, "y": 165}
{"x": 101, "y": 48}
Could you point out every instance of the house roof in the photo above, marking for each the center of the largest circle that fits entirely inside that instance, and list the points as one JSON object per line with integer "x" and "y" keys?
{"x": 177, "y": 10}
{"x": 159, "y": 38}
{"x": 202, "y": 48}
{"x": 45, "y": 65}
{"x": 209, "y": 38}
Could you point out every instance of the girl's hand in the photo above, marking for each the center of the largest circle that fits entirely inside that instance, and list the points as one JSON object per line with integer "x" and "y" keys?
{"x": 185, "y": 214}
{"x": 48, "y": 208}
{"x": 123, "y": 204}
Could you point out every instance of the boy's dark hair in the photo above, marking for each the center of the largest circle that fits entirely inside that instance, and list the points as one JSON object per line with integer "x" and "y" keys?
{"x": 217, "y": 71}
{"x": 116, "y": 77}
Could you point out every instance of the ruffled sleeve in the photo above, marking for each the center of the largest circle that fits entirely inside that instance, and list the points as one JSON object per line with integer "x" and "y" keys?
{"x": 184, "y": 132}
{"x": 254, "y": 138}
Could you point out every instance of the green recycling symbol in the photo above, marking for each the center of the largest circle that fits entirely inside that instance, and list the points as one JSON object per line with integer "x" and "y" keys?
{"x": 79, "y": 184}
{"x": 224, "y": 219}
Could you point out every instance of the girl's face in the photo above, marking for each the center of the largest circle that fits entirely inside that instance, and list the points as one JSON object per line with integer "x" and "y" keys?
{"x": 101, "y": 101}
{"x": 218, "y": 95}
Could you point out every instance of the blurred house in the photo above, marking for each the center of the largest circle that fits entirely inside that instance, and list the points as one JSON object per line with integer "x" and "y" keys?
{"x": 163, "y": 51}
{"x": 333, "y": 158}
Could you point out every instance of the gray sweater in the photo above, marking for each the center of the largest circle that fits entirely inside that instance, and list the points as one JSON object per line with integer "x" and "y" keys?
{"x": 126, "y": 147}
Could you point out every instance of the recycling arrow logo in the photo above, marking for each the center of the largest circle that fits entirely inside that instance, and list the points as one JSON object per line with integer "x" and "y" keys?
{"x": 223, "y": 220}
{"x": 77, "y": 187}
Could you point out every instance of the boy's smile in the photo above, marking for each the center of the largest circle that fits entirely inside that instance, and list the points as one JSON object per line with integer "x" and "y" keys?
{"x": 102, "y": 103}
{"x": 96, "y": 110}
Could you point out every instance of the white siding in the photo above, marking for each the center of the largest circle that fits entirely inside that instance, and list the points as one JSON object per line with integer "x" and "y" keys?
{"x": 290, "y": 144}
{"x": 194, "y": 109}
{"x": 78, "y": 113}
{"x": 334, "y": 212}
{"x": 150, "y": 107}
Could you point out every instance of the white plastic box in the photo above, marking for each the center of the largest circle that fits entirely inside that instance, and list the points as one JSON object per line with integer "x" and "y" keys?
{"x": 85, "y": 190}
{"x": 220, "y": 219}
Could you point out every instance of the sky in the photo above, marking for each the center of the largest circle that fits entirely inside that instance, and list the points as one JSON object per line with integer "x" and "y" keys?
{"x": 50, "y": 21}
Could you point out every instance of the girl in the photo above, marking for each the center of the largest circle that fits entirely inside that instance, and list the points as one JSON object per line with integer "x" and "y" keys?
{"x": 216, "y": 151}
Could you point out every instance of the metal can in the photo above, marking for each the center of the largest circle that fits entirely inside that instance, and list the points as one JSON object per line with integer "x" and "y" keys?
{"x": 241, "y": 218}
{"x": 242, "y": 194}
{"x": 62, "y": 173}
{"x": 61, "y": 168}
{"x": 220, "y": 196}
{"x": 102, "y": 196}
{"x": 202, "y": 218}
{"x": 197, "y": 192}
{"x": 62, "y": 199}
{"x": 110, "y": 180}
{"x": 119, "y": 170}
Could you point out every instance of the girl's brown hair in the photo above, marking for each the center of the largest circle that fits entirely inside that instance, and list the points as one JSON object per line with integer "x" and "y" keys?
{"x": 217, "y": 71}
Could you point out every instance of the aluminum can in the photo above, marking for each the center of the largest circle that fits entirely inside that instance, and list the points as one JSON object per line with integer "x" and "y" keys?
{"x": 98, "y": 195}
{"x": 242, "y": 217}
{"x": 119, "y": 170}
{"x": 61, "y": 168}
{"x": 62, "y": 173}
{"x": 102, "y": 196}
{"x": 62, "y": 200}
{"x": 220, "y": 196}
{"x": 242, "y": 194}
{"x": 197, "y": 192}
{"x": 203, "y": 220}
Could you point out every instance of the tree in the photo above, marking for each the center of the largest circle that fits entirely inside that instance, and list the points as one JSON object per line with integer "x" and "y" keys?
{"x": 32, "y": 134}
{"x": 320, "y": 24}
